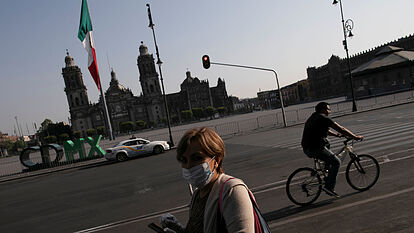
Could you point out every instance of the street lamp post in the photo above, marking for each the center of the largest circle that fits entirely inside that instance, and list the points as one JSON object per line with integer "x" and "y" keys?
{"x": 347, "y": 28}
{"x": 159, "y": 62}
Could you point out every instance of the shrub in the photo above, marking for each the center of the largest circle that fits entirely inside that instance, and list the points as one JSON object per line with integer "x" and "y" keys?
{"x": 141, "y": 124}
{"x": 91, "y": 132}
{"x": 126, "y": 126}
{"x": 50, "y": 139}
{"x": 187, "y": 115}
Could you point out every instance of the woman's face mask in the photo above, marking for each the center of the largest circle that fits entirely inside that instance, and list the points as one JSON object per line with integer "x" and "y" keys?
{"x": 199, "y": 175}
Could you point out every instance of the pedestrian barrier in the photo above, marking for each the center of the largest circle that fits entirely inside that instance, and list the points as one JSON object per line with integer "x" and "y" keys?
{"x": 35, "y": 157}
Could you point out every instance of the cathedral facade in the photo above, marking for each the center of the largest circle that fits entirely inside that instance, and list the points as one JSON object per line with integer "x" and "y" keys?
{"x": 123, "y": 106}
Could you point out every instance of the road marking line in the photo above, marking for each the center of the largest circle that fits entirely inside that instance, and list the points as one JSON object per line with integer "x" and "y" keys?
{"x": 136, "y": 219}
{"x": 377, "y": 198}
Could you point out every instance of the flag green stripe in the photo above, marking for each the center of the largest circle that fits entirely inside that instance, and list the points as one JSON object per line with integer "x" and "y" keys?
{"x": 85, "y": 24}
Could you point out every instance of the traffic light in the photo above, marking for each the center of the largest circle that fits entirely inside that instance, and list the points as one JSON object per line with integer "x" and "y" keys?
{"x": 206, "y": 61}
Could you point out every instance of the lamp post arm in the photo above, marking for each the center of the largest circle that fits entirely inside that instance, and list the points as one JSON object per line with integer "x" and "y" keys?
{"x": 264, "y": 69}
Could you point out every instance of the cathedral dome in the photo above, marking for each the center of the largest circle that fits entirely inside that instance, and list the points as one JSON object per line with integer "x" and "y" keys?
{"x": 143, "y": 49}
{"x": 69, "y": 60}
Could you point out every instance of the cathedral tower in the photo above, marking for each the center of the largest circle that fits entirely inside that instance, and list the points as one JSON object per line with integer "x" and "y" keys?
{"x": 77, "y": 96}
{"x": 150, "y": 85}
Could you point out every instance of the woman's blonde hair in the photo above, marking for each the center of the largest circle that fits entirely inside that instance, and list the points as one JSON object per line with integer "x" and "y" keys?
{"x": 210, "y": 142}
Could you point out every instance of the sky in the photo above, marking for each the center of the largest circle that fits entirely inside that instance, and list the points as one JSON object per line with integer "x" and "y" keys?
{"x": 287, "y": 36}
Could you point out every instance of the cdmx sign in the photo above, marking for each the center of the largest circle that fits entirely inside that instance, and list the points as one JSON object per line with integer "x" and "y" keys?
{"x": 69, "y": 147}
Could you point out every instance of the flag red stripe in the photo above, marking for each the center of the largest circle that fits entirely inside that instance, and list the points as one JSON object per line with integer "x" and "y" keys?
{"x": 93, "y": 69}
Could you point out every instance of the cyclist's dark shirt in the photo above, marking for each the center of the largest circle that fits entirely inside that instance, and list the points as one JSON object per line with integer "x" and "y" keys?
{"x": 316, "y": 131}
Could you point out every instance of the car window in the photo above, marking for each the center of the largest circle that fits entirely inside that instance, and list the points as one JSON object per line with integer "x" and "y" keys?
{"x": 142, "y": 142}
{"x": 130, "y": 143}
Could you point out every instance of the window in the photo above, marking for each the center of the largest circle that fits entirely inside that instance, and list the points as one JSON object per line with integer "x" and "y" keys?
{"x": 130, "y": 143}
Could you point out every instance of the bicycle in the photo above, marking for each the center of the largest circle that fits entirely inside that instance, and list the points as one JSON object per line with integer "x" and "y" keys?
{"x": 304, "y": 185}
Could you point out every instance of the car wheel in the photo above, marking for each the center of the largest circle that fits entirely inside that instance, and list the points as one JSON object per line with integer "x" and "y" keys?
{"x": 121, "y": 157}
{"x": 158, "y": 150}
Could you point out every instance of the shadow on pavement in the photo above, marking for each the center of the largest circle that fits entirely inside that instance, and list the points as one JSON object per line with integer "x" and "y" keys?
{"x": 293, "y": 209}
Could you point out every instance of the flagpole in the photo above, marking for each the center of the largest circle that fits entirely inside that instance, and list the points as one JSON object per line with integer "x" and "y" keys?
{"x": 106, "y": 114}
{"x": 85, "y": 35}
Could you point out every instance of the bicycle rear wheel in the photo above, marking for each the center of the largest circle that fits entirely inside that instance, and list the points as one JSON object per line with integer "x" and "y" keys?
{"x": 362, "y": 172}
{"x": 304, "y": 186}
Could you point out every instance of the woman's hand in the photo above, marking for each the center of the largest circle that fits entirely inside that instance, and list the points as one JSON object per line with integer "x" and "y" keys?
{"x": 168, "y": 230}
{"x": 170, "y": 223}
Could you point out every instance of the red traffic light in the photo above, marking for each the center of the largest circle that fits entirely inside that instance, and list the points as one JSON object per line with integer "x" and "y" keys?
{"x": 206, "y": 61}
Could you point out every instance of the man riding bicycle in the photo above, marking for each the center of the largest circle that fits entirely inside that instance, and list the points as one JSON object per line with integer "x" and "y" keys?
{"x": 316, "y": 145}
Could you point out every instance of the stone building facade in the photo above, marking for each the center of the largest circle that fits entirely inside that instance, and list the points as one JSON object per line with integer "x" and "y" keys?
{"x": 196, "y": 93}
{"x": 332, "y": 79}
{"x": 124, "y": 106}
{"x": 296, "y": 93}
{"x": 391, "y": 69}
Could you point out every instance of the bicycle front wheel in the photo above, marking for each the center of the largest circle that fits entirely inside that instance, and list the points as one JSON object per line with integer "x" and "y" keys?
{"x": 304, "y": 186}
{"x": 362, "y": 172}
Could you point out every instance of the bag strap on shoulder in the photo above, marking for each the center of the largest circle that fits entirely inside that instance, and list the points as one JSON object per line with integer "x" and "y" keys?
{"x": 221, "y": 195}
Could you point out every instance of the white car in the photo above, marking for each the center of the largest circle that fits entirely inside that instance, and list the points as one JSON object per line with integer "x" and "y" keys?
{"x": 135, "y": 147}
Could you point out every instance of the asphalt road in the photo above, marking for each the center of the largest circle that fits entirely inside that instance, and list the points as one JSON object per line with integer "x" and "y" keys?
{"x": 125, "y": 197}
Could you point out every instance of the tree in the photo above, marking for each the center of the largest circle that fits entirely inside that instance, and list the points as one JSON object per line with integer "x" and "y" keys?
{"x": 174, "y": 119}
{"x": 48, "y": 128}
{"x": 187, "y": 115}
{"x": 140, "y": 124}
{"x": 151, "y": 124}
{"x": 63, "y": 137}
{"x": 222, "y": 110}
{"x": 18, "y": 146}
{"x": 50, "y": 139}
{"x": 91, "y": 132}
{"x": 126, "y": 126}
{"x": 101, "y": 130}
{"x": 45, "y": 124}
{"x": 77, "y": 134}
{"x": 198, "y": 113}
{"x": 9, "y": 146}
{"x": 210, "y": 111}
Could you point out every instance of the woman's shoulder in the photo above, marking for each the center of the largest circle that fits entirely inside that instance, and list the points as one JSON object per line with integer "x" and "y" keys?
{"x": 229, "y": 182}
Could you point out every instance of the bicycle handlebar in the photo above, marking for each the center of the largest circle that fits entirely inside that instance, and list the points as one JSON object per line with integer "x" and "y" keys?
{"x": 350, "y": 139}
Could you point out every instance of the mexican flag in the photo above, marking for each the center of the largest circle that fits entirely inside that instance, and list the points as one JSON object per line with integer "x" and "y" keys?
{"x": 85, "y": 35}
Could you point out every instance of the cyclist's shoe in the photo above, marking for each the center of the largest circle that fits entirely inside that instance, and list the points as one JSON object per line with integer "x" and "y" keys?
{"x": 330, "y": 192}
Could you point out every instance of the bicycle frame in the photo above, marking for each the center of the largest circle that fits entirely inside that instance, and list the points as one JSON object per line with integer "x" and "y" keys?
{"x": 319, "y": 165}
